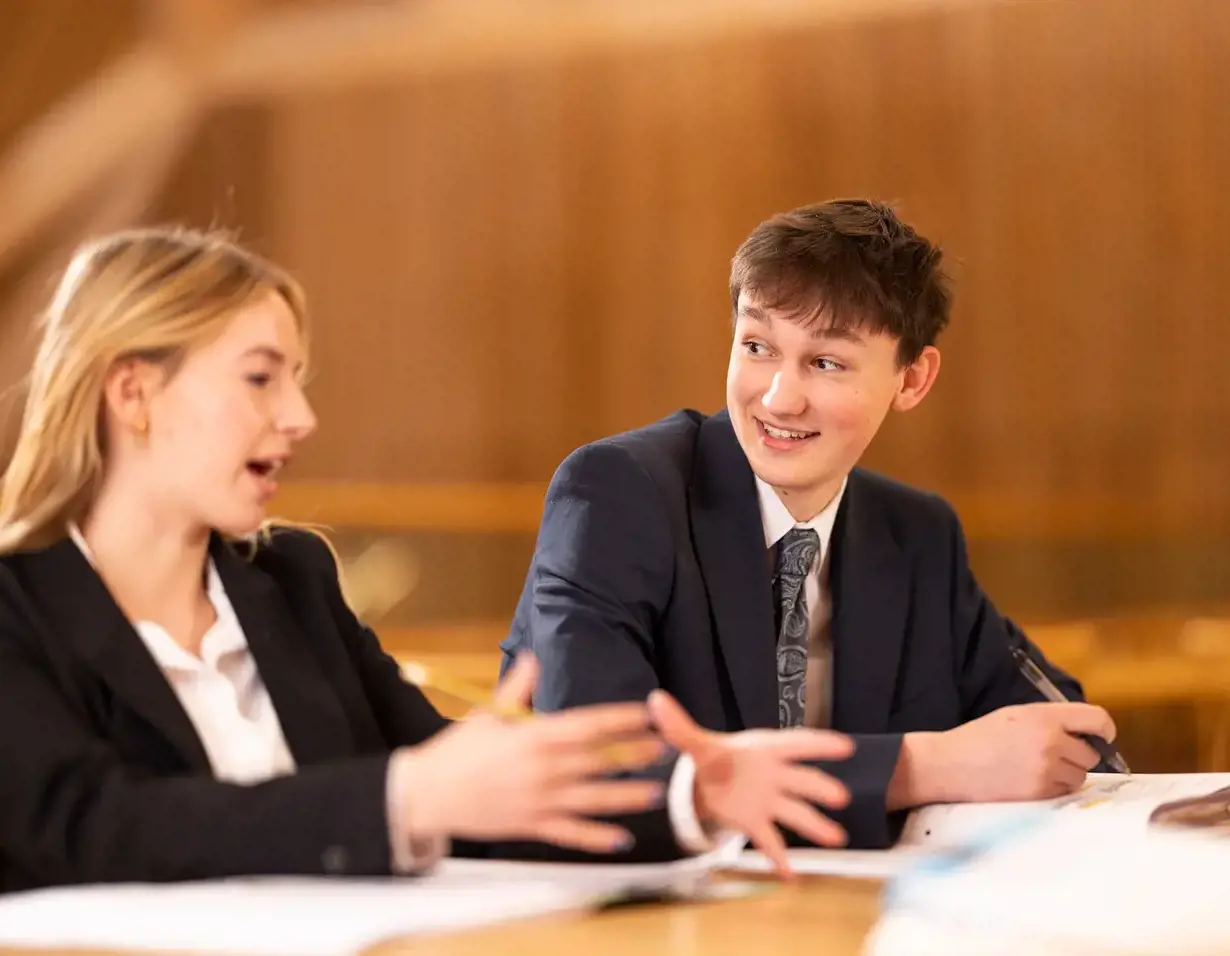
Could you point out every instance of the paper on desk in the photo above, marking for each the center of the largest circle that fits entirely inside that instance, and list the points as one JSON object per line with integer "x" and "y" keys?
{"x": 913, "y": 934}
{"x": 316, "y": 917}
{"x": 1098, "y": 883}
{"x": 1137, "y": 795}
{"x": 856, "y": 864}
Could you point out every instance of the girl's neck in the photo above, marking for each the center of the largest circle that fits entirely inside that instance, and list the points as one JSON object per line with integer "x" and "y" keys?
{"x": 153, "y": 565}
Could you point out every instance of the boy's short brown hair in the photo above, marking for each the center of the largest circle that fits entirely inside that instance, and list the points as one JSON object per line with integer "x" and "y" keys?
{"x": 851, "y": 263}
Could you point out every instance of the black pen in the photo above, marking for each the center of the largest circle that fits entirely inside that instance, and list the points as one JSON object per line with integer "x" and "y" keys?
{"x": 1033, "y": 673}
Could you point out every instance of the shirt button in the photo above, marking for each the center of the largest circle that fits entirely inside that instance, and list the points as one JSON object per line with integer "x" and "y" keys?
{"x": 335, "y": 859}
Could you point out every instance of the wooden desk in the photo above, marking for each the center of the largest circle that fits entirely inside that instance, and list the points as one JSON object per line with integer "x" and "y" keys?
{"x": 831, "y": 916}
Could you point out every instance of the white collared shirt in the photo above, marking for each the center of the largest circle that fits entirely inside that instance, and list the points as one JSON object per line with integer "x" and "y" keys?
{"x": 777, "y": 522}
{"x": 221, "y": 690}
{"x": 224, "y": 696}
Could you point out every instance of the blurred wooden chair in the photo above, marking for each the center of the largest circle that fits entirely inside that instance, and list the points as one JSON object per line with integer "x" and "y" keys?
{"x": 1153, "y": 661}
{"x": 454, "y": 682}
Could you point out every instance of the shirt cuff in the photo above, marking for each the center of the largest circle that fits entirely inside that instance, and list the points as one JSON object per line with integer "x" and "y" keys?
{"x": 689, "y": 832}
{"x": 407, "y": 853}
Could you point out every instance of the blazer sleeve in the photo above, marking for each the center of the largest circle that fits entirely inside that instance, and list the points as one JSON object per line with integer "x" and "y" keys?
{"x": 72, "y": 810}
{"x": 868, "y": 823}
{"x": 601, "y": 575}
{"x": 987, "y": 679}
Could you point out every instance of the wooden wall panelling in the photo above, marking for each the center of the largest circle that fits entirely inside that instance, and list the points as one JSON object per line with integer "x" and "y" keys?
{"x": 562, "y": 234}
{"x": 506, "y": 262}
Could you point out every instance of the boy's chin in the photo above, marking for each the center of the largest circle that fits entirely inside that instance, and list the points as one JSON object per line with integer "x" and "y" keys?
{"x": 797, "y": 478}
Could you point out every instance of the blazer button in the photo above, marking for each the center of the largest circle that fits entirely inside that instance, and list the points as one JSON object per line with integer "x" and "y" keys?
{"x": 335, "y": 859}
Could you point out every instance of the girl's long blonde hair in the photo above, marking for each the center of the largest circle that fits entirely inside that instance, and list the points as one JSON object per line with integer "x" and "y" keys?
{"x": 153, "y": 294}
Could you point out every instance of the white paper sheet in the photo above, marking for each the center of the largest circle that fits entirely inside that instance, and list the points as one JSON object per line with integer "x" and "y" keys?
{"x": 931, "y": 827}
{"x": 317, "y": 917}
{"x": 912, "y": 934}
{"x": 855, "y": 864}
{"x": 1092, "y": 883}
{"x": 1138, "y": 794}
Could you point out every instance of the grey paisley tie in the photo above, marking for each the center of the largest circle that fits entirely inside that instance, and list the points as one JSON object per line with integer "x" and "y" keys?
{"x": 795, "y": 554}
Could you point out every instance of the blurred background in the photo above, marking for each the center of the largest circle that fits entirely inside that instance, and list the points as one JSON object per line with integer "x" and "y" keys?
{"x": 515, "y": 218}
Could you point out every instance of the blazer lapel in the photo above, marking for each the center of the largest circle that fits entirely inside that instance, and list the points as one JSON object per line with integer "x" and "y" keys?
{"x": 307, "y": 705}
{"x": 870, "y": 577}
{"x": 730, "y": 546}
{"x": 83, "y": 613}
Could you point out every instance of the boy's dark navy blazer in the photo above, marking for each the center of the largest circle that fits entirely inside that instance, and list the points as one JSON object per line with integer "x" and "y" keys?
{"x": 651, "y": 570}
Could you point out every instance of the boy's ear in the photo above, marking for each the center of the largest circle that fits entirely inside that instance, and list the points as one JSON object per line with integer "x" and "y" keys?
{"x": 917, "y": 379}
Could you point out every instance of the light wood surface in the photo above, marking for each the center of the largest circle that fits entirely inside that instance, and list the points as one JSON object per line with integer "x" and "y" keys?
{"x": 390, "y": 507}
{"x": 494, "y": 507}
{"x": 506, "y": 263}
{"x": 1112, "y": 681}
{"x": 193, "y": 55}
{"x": 1123, "y": 665}
{"x": 302, "y": 48}
{"x": 1184, "y": 661}
{"x": 832, "y": 915}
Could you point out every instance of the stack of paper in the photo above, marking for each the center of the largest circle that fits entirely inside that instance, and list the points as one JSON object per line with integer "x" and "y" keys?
{"x": 1050, "y": 884}
{"x": 318, "y": 916}
{"x": 854, "y": 864}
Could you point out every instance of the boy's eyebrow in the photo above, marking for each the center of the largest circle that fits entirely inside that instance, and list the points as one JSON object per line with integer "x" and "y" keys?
{"x": 840, "y": 332}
